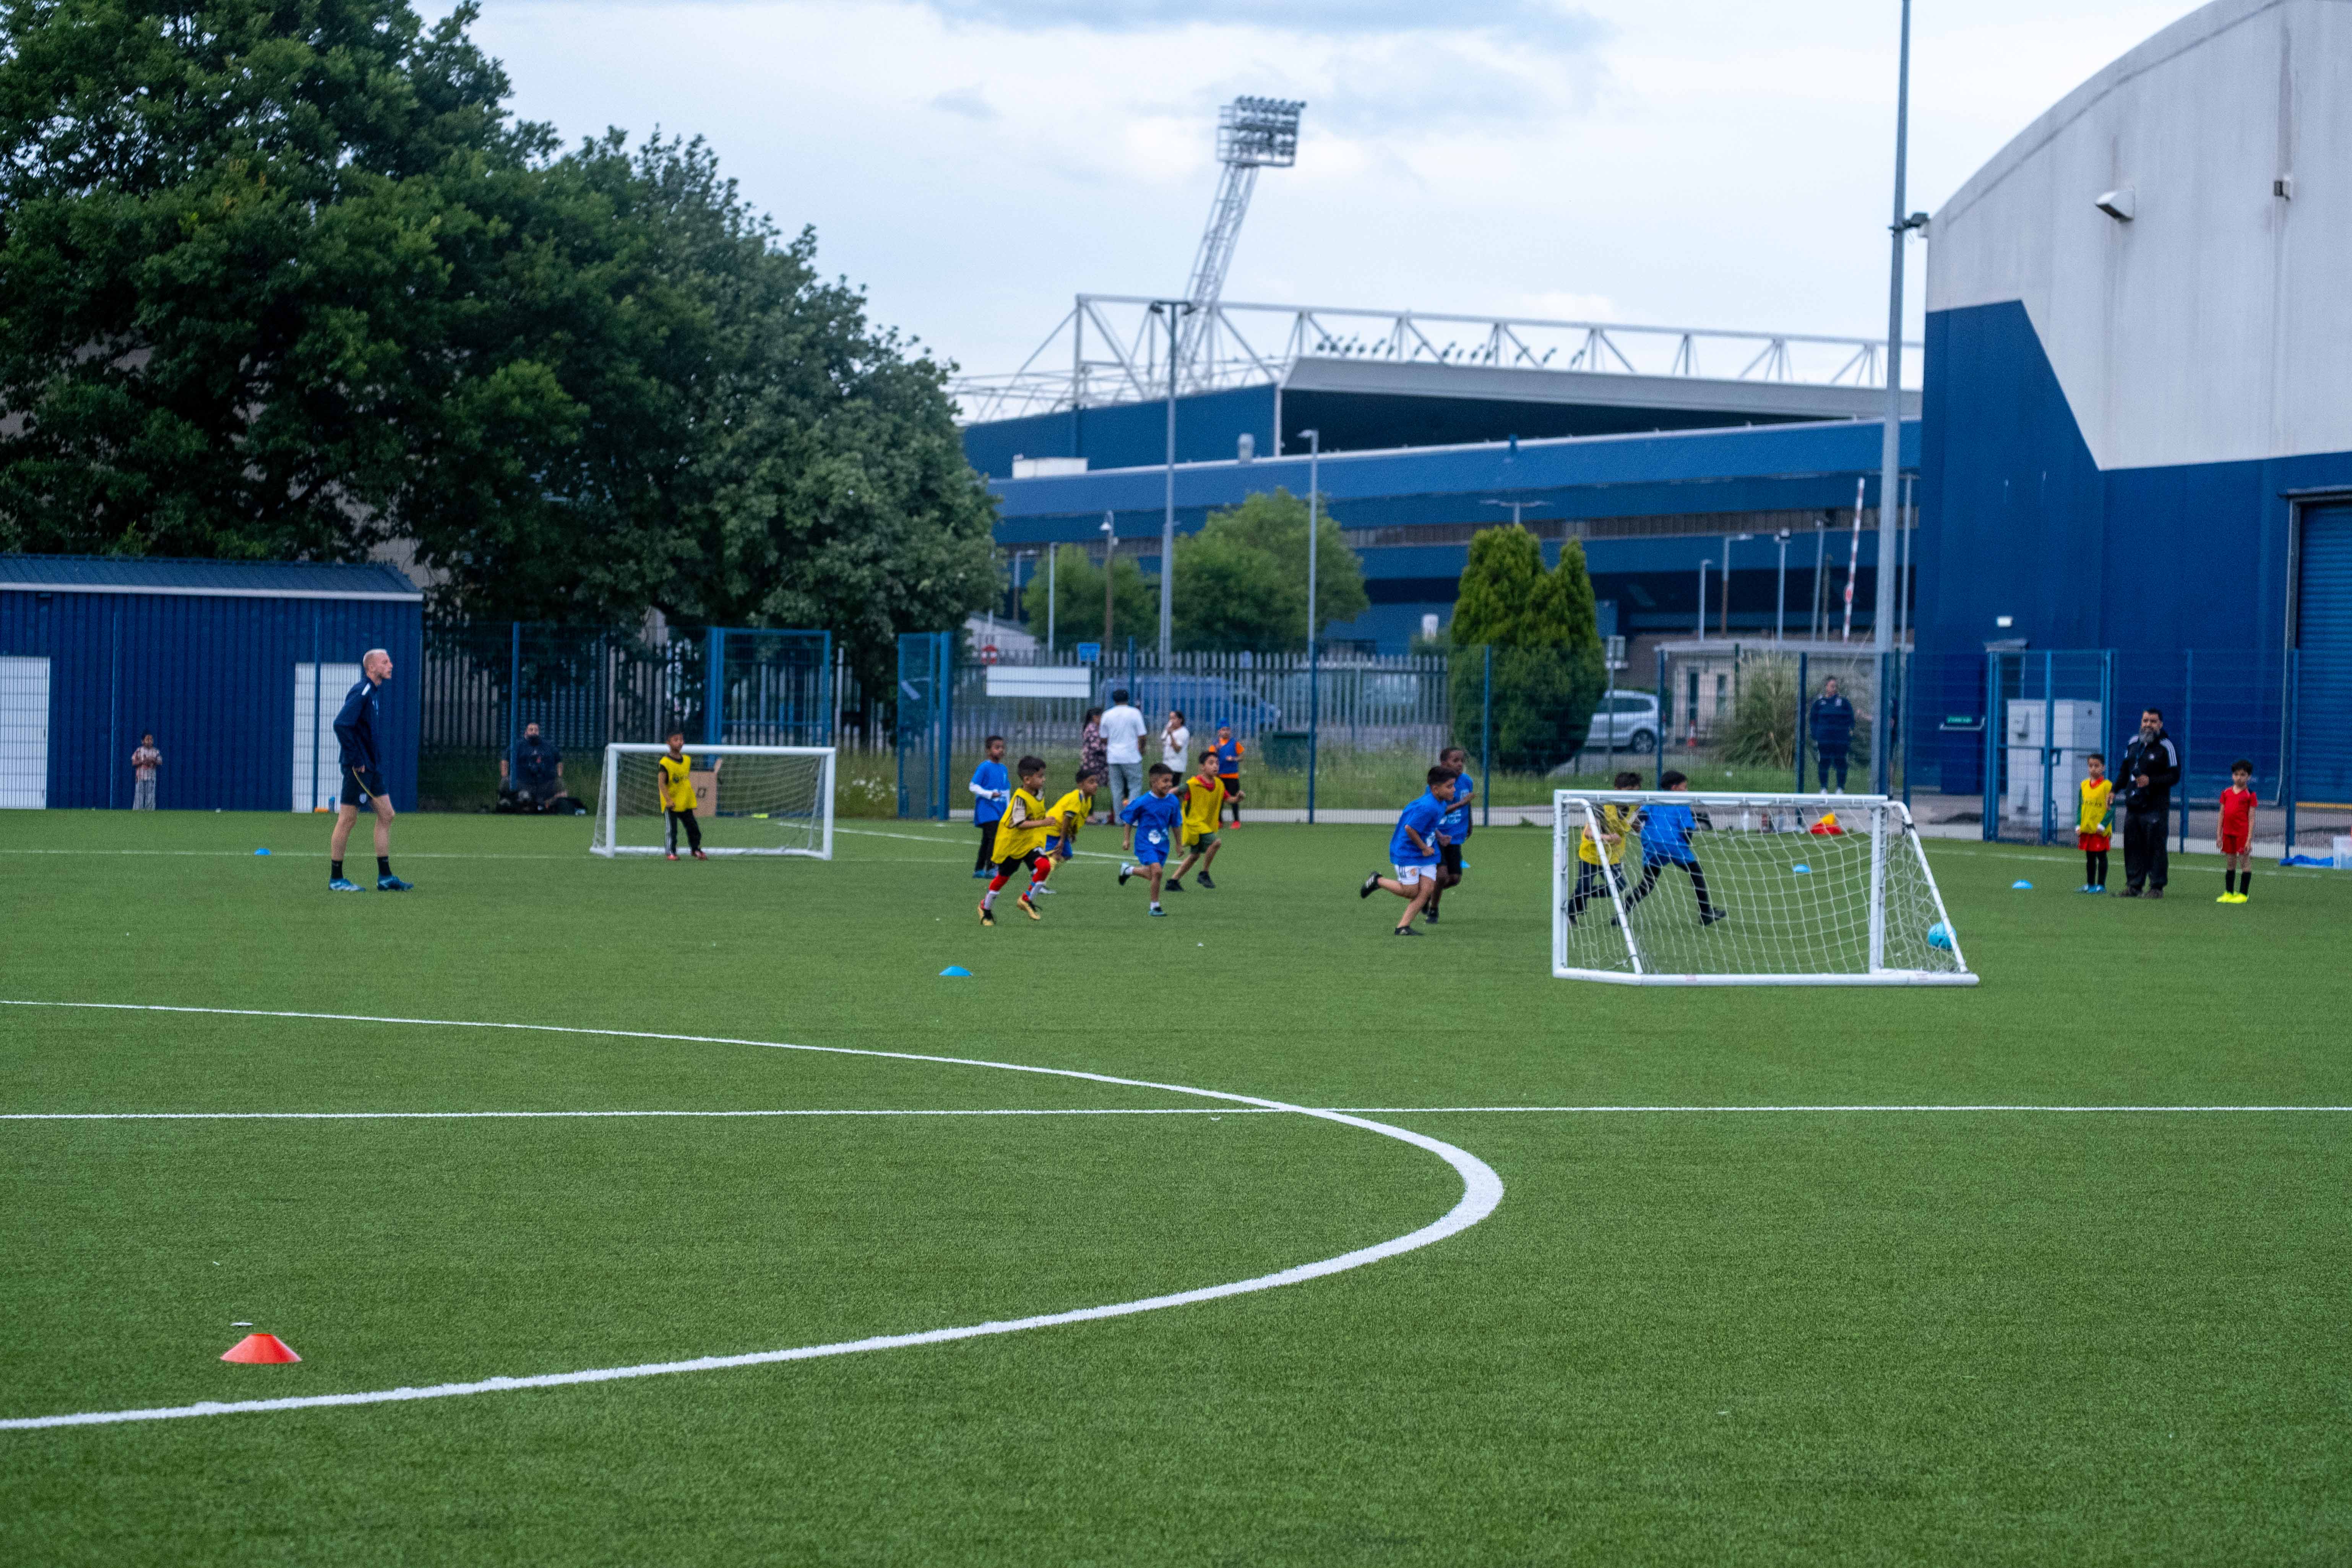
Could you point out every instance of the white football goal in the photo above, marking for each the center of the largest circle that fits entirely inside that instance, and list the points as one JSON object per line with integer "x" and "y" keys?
{"x": 749, "y": 800}
{"x": 1682, "y": 888}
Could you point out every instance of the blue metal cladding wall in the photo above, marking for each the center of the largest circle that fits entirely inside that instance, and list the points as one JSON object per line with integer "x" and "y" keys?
{"x": 2017, "y": 520}
{"x": 213, "y": 679}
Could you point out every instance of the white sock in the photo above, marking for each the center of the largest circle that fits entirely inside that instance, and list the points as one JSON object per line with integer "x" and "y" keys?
{"x": 988, "y": 899}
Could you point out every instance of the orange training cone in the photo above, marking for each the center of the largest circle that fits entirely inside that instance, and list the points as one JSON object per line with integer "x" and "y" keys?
{"x": 261, "y": 1350}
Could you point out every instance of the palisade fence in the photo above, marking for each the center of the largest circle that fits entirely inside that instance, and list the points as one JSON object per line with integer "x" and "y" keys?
{"x": 1989, "y": 742}
{"x": 587, "y": 687}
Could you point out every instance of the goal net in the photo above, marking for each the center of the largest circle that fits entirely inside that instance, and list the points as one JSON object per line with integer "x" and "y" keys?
{"x": 749, "y": 800}
{"x": 1687, "y": 889}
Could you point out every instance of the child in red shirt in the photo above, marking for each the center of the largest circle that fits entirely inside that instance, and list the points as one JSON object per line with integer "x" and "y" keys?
{"x": 2235, "y": 835}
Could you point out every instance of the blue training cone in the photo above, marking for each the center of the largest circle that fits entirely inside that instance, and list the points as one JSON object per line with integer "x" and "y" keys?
{"x": 1802, "y": 871}
{"x": 2020, "y": 886}
{"x": 261, "y": 852}
{"x": 955, "y": 971}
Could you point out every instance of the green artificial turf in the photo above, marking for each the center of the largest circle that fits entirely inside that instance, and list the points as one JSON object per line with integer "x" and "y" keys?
{"x": 1792, "y": 1336}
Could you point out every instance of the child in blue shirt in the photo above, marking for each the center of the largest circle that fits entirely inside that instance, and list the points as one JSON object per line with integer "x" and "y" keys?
{"x": 1666, "y": 830}
{"x": 1454, "y": 829}
{"x": 991, "y": 788}
{"x": 1413, "y": 848}
{"x": 1155, "y": 823}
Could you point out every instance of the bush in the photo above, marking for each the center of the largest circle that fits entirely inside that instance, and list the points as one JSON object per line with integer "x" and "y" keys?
{"x": 1762, "y": 731}
{"x": 1544, "y": 628}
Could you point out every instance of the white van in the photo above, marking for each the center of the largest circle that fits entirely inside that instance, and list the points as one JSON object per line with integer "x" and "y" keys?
{"x": 1624, "y": 722}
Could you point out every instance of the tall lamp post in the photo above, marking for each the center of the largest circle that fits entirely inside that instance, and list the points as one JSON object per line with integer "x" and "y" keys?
{"x": 1702, "y": 565}
{"x": 1517, "y": 506}
{"x": 1890, "y": 447}
{"x": 1724, "y": 624}
{"x": 1781, "y": 596}
{"x": 1175, "y": 310}
{"x": 1111, "y": 549}
{"x": 1314, "y": 629}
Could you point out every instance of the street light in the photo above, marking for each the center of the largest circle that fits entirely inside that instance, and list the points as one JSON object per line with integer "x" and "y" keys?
{"x": 1110, "y": 548}
{"x": 1175, "y": 310}
{"x": 1781, "y": 596}
{"x": 1702, "y": 565}
{"x": 1314, "y": 631}
{"x": 1728, "y": 540}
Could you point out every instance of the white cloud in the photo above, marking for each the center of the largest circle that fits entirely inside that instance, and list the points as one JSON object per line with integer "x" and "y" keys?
{"x": 976, "y": 162}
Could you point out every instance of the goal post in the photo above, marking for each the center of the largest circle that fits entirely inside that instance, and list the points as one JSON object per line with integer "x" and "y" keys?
{"x": 1691, "y": 888}
{"x": 753, "y": 800}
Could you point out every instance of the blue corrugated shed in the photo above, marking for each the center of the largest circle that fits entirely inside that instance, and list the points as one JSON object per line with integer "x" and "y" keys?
{"x": 229, "y": 579}
{"x": 204, "y": 654}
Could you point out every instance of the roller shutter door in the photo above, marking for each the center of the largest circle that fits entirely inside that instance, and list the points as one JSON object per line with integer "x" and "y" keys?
{"x": 2324, "y": 634}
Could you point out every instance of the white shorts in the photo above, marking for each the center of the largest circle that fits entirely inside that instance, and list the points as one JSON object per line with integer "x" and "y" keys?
{"x": 1408, "y": 875}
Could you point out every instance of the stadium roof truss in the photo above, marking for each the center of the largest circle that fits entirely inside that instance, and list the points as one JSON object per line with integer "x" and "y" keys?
{"x": 1114, "y": 357}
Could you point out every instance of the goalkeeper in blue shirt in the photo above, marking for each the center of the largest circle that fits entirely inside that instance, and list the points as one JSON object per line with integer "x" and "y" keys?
{"x": 1666, "y": 829}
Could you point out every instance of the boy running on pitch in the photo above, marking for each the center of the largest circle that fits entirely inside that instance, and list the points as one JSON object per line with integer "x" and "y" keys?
{"x": 1454, "y": 831}
{"x": 1413, "y": 848}
{"x": 2095, "y": 823}
{"x": 1201, "y": 795}
{"x": 1068, "y": 814}
{"x": 1021, "y": 841}
{"x": 2234, "y": 837}
{"x": 1154, "y": 820}
{"x": 1595, "y": 859}
{"x": 675, "y": 784}
{"x": 1229, "y": 770}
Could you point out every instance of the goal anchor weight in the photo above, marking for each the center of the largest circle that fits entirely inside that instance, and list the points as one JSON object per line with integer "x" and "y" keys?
{"x": 1719, "y": 888}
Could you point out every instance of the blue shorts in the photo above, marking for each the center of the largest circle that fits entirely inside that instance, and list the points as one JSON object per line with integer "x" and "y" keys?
{"x": 1151, "y": 849}
{"x": 1054, "y": 845}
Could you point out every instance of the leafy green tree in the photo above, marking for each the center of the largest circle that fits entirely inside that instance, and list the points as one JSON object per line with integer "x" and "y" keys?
{"x": 1241, "y": 581}
{"x": 1544, "y": 630}
{"x": 283, "y": 277}
{"x": 1078, "y": 591}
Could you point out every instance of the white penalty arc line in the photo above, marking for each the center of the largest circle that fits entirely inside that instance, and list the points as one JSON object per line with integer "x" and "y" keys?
{"x": 1482, "y": 1189}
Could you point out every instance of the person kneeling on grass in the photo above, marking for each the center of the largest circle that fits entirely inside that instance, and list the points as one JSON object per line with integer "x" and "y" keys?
{"x": 1665, "y": 831}
{"x": 1413, "y": 848}
{"x": 1599, "y": 856}
{"x": 1202, "y": 797}
{"x": 1021, "y": 841}
{"x": 1154, "y": 820}
{"x": 1068, "y": 814}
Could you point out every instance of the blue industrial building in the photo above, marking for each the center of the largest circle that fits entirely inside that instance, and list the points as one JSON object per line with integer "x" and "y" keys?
{"x": 236, "y": 667}
{"x": 1649, "y": 507}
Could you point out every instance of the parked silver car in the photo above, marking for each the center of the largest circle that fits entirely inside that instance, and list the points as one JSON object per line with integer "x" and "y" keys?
{"x": 1625, "y": 722}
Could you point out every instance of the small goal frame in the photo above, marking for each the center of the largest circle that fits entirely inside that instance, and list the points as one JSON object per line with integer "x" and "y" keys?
{"x": 606, "y": 842}
{"x": 1892, "y": 832}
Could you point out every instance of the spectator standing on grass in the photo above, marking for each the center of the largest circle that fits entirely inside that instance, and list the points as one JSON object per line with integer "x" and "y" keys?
{"x": 2151, "y": 767}
{"x": 1831, "y": 722}
{"x": 144, "y": 759}
{"x": 1173, "y": 737}
{"x": 1091, "y": 750}
{"x": 1123, "y": 729}
{"x": 991, "y": 788}
{"x": 362, "y": 764}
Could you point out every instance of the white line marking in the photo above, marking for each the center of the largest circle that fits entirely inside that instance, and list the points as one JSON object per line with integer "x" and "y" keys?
{"x": 1482, "y": 1189}
{"x": 1180, "y": 1111}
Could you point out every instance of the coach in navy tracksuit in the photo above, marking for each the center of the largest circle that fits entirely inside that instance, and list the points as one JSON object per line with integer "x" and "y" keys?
{"x": 2151, "y": 767}
{"x": 1831, "y": 722}
{"x": 355, "y": 730}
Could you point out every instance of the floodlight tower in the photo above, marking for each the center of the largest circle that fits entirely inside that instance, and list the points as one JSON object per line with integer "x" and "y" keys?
{"x": 1253, "y": 133}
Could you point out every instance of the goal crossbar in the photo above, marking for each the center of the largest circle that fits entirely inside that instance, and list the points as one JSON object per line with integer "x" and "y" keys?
{"x": 1729, "y": 888}
{"x": 752, "y": 800}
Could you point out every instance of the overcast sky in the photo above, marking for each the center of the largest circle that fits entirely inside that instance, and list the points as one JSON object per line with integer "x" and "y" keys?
{"x": 973, "y": 163}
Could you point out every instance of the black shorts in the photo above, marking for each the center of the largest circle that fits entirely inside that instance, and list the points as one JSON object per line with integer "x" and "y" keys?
{"x": 360, "y": 785}
{"x": 1012, "y": 863}
{"x": 1232, "y": 785}
{"x": 1449, "y": 856}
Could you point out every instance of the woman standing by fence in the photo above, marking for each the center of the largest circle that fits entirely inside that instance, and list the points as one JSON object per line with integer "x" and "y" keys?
{"x": 1173, "y": 739}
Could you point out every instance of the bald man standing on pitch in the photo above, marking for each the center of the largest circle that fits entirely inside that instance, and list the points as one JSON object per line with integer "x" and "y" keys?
{"x": 355, "y": 729}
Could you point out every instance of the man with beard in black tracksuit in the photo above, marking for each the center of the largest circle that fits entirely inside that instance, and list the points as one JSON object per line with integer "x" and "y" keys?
{"x": 2151, "y": 767}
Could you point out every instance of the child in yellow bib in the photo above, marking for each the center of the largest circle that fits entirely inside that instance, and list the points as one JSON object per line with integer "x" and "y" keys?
{"x": 2093, "y": 820}
{"x": 674, "y": 784}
